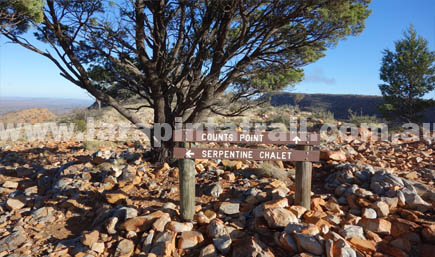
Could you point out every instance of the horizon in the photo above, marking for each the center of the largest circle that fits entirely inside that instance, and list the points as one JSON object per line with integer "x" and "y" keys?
{"x": 350, "y": 68}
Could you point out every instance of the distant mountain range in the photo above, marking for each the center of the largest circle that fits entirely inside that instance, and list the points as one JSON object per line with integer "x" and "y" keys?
{"x": 337, "y": 104}
{"x": 55, "y": 105}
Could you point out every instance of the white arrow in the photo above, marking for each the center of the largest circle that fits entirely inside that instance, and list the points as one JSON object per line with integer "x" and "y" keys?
{"x": 189, "y": 154}
{"x": 296, "y": 139}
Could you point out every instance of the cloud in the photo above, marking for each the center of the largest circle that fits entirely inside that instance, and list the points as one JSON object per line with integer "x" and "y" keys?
{"x": 317, "y": 76}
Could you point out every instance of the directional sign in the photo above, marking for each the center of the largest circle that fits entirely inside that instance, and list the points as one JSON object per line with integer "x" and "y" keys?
{"x": 223, "y": 136}
{"x": 246, "y": 154}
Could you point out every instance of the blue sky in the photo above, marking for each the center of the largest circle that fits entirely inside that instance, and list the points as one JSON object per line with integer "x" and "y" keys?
{"x": 350, "y": 68}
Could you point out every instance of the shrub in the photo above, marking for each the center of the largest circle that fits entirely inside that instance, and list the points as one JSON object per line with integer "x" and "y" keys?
{"x": 356, "y": 118}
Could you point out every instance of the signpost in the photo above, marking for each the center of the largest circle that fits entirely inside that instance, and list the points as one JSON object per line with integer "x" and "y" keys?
{"x": 303, "y": 156}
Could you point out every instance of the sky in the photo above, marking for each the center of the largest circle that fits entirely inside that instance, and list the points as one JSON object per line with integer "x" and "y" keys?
{"x": 352, "y": 67}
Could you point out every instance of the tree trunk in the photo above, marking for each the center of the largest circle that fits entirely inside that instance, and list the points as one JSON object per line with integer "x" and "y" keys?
{"x": 162, "y": 148}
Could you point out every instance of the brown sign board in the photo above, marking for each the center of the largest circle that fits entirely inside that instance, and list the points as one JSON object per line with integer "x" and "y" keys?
{"x": 222, "y": 136}
{"x": 246, "y": 154}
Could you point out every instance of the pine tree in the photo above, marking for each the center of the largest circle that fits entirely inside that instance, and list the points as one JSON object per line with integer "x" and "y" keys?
{"x": 409, "y": 74}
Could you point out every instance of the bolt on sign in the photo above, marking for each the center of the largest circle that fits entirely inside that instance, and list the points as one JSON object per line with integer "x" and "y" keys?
{"x": 303, "y": 156}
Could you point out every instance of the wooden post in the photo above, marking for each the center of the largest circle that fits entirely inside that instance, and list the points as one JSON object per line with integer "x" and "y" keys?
{"x": 303, "y": 180}
{"x": 187, "y": 188}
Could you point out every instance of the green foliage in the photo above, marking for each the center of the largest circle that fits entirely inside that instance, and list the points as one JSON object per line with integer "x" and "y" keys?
{"x": 322, "y": 114}
{"x": 80, "y": 125}
{"x": 409, "y": 74}
{"x": 357, "y": 119}
{"x": 95, "y": 145}
{"x": 19, "y": 13}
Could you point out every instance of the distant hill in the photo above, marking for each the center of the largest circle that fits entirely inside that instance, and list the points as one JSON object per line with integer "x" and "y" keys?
{"x": 337, "y": 104}
{"x": 32, "y": 115}
{"x": 54, "y": 105}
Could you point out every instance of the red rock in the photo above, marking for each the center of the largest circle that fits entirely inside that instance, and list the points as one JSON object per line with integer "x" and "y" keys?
{"x": 395, "y": 252}
{"x": 298, "y": 210}
{"x": 408, "y": 215}
{"x": 328, "y": 155}
{"x": 189, "y": 239}
{"x": 427, "y": 250}
{"x": 141, "y": 223}
{"x": 283, "y": 202}
{"x": 428, "y": 234}
{"x": 363, "y": 245}
{"x": 317, "y": 203}
{"x": 381, "y": 226}
{"x": 402, "y": 226}
{"x": 373, "y": 236}
{"x": 401, "y": 243}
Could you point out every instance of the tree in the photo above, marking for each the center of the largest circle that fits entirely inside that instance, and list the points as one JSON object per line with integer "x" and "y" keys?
{"x": 18, "y": 13}
{"x": 180, "y": 56}
{"x": 409, "y": 74}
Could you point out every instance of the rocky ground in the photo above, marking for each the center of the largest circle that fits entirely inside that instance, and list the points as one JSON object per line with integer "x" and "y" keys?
{"x": 369, "y": 199}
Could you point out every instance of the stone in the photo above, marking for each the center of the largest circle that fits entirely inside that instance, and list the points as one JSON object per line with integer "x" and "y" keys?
{"x": 160, "y": 223}
{"x": 391, "y": 201}
{"x": 308, "y": 243}
{"x": 98, "y": 247}
{"x": 216, "y": 228}
{"x": 312, "y": 230}
{"x": 210, "y": 214}
{"x": 229, "y": 208}
{"x": 13, "y": 240}
{"x": 369, "y": 213}
{"x": 115, "y": 197}
{"x": 208, "y": 251}
{"x": 249, "y": 247}
{"x": 223, "y": 243}
{"x": 402, "y": 226}
{"x": 428, "y": 234}
{"x": 333, "y": 219}
{"x": 277, "y": 184}
{"x": 328, "y": 155}
{"x": 164, "y": 244}
{"x": 148, "y": 242}
{"x": 294, "y": 228}
{"x": 124, "y": 213}
{"x": 124, "y": 248}
{"x": 390, "y": 250}
{"x": 382, "y": 209}
{"x": 298, "y": 210}
{"x": 379, "y": 225}
{"x": 288, "y": 243}
{"x": 230, "y": 177}
{"x": 402, "y": 244}
{"x": 216, "y": 190}
{"x": 414, "y": 201}
{"x": 363, "y": 245}
{"x": 44, "y": 215}
{"x": 111, "y": 224}
{"x": 89, "y": 239}
{"x": 352, "y": 231}
{"x": 142, "y": 223}
{"x": 169, "y": 206}
{"x": 16, "y": 203}
{"x": 283, "y": 203}
{"x": 373, "y": 236}
{"x": 279, "y": 217}
{"x": 179, "y": 227}
{"x": 232, "y": 164}
{"x": 382, "y": 180}
{"x": 317, "y": 204}
{"x": 427, "y": 250}
{"x": 10, "y": 184}
{"x": 189, "y": 239}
